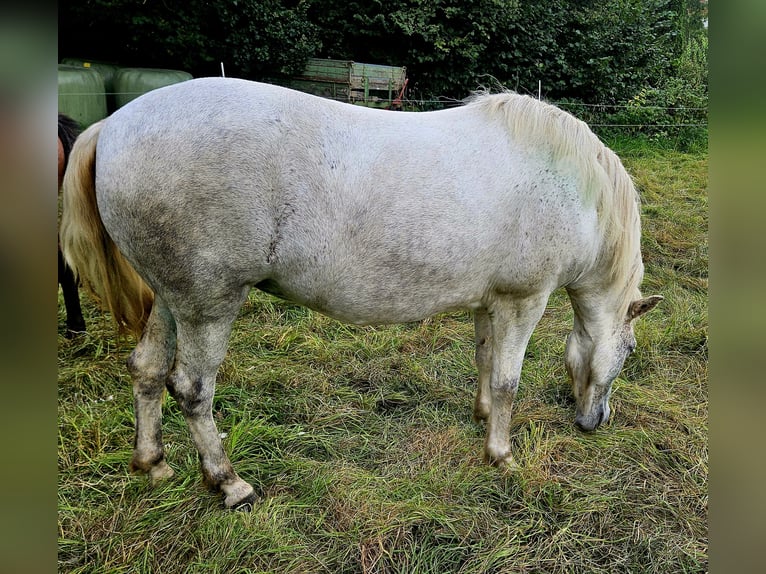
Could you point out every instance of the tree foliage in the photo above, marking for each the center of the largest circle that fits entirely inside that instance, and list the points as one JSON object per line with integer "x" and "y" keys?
{"x": 592, "y": 50}
{"x": 252, "y": 37}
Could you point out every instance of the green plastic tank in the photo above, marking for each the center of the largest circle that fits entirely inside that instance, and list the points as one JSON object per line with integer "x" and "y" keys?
{"x": 107, "y": 70}
{"x": 130, "y": 83}
{"x": 81, "y": 94}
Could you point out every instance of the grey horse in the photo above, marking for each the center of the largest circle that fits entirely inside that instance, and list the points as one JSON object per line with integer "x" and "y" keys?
{"x": 186, "y": 198}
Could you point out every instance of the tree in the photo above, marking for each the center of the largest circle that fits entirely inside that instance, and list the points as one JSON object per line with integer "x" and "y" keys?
{"x": 254, "y": 38}
{"x": 600, "y": 51}
{"x": 585, "y": 49}
{"x": 443, "y": 43}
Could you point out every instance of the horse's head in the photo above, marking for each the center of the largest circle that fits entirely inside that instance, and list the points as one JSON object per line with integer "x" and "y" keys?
{"x": 595, "y": 353}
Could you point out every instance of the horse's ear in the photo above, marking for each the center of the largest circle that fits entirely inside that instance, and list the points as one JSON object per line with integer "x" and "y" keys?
{"x": 638, "y": 308}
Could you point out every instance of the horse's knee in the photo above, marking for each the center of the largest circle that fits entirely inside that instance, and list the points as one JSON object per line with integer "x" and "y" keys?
{"x": 504, "y": 388}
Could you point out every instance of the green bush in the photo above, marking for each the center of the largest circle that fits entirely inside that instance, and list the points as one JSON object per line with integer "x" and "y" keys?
{"x": 602, "y": 52}
{"x": 671, "y": 114}
{"x": 676, "y": 110}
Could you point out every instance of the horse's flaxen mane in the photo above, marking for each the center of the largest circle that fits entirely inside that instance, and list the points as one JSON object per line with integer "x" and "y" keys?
{"x": 570, "y": 145}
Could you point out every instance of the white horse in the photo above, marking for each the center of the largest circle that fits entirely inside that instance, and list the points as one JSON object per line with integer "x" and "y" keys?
{"x": 207, "y": 188}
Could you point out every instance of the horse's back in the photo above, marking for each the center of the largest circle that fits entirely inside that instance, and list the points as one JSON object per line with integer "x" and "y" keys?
{"x": 367, "y": 215}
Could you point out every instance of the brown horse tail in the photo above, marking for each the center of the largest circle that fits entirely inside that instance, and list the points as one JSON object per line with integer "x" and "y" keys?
{"x": 88, "y": 248}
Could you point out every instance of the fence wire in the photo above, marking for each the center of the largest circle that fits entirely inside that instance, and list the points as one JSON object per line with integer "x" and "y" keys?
{"x": 415, "y": 104}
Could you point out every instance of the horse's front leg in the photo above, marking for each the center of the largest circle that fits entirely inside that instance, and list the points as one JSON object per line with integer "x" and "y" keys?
{"x": 483, "y": 339}
{"x": 149, "y": 364}
{"x": 512, "y": 321}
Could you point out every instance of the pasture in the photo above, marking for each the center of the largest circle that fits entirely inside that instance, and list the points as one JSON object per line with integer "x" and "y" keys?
{"x": 361, "y": 445}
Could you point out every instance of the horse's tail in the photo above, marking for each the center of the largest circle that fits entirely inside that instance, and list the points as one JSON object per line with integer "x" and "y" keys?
{"x": 88, "y": 248}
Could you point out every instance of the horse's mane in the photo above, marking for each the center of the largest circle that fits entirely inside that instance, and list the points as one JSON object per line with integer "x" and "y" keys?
{"x": 570, "y": 145}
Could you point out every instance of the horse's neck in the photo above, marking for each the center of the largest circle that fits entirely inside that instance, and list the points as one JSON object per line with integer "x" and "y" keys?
{"x": 599, "y": 304}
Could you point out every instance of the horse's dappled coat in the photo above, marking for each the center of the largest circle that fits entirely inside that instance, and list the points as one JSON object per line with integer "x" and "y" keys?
{"x": 213, "y": 186}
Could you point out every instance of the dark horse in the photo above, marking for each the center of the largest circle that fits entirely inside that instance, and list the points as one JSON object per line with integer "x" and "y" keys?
{"x": 69, "y": 129}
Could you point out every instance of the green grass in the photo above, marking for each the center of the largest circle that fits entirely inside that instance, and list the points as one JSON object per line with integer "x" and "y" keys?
{"x": 360, "y": 440}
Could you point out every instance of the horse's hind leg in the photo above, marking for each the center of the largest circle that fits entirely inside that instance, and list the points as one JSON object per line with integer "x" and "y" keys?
{"x": 483, "y": 338}
{"x": 513, "y": 321}
{"x": 201, "y": 349}
{"x": 149, "y": 364}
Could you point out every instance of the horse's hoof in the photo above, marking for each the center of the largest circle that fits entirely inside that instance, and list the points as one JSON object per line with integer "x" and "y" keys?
{"x": 502, "y": 461}
{"x": 246, "y": 504}
{"x": 157, "y": 471}
{"x": 160, "y": 472}
{"x": 75, "y": 332}
{"x": 508, "y": 463}
{"x": 241, "y": 497}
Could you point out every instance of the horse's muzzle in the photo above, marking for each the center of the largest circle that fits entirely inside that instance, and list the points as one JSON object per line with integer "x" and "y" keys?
{"x": 592, "y": 422}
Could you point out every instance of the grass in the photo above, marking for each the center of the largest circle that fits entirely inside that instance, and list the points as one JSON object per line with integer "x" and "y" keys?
{"x": 360, "y": 440}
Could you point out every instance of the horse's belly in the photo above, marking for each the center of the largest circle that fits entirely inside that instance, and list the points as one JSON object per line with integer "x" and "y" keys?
{"x": 375, "y": 299}
{"x": 404, "y": 273}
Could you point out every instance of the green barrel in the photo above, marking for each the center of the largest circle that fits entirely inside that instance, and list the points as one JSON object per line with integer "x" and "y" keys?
{"x": 129, "y": 83}
{"x": 81, "y": 94}
{"x": 107, "y": 70}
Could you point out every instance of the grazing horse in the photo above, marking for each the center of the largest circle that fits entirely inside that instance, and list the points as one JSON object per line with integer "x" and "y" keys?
{"x": 186, "y": 198}
{"x": 68, "y": 130}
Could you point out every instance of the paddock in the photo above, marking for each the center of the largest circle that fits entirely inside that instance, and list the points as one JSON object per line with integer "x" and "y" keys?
{"x": 361, "y": 444}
